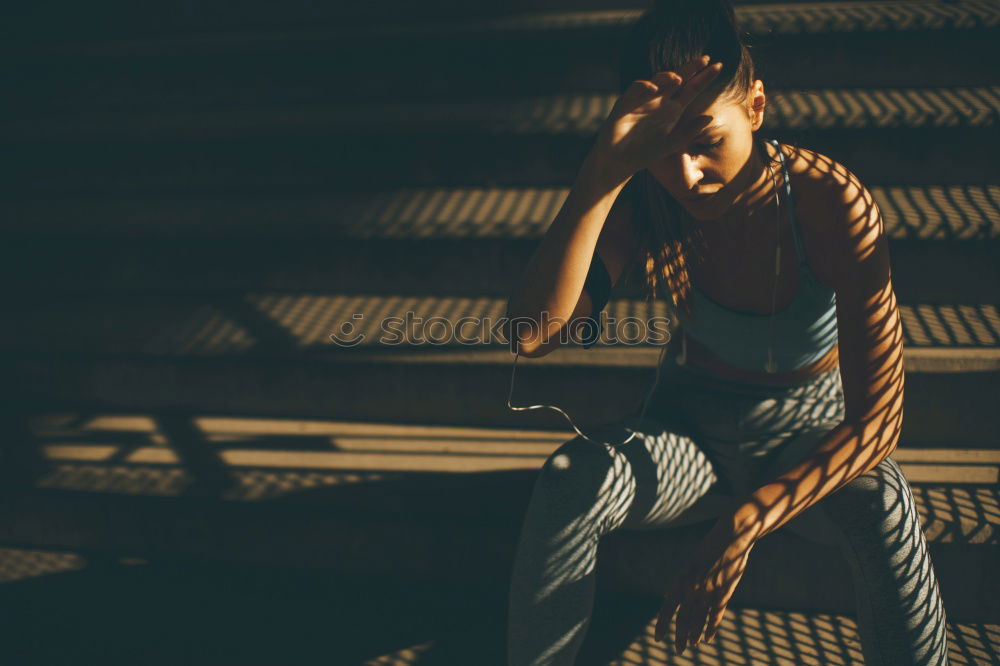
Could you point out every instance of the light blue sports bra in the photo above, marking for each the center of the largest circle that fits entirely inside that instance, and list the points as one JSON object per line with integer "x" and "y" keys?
{"x": 801, "y": 333}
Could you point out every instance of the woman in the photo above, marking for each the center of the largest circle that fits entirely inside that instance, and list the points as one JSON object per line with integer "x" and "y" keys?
{"x": 784, "y": 401}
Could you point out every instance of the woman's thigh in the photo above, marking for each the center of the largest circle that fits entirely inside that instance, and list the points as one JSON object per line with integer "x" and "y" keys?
{"x": 663, "y": 478}
{"x": 753, "y": 433}
{"x": 815, "y": 523}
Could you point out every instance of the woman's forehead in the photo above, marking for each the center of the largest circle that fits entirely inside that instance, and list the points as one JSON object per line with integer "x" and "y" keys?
{"x": 722, "y": 111}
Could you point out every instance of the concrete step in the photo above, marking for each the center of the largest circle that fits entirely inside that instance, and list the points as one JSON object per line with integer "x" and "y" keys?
{"x": 572, "y": 114}
{"x": 425, "y": 503}
{"x": 757, "y": 636}
{"x": 276, "y": 458}
{"x": 99, "y": 609}
{"x": 835, "y": 43}
{"x": 910, "y": 212}
{"x": 413, "y": 242}
{"x": 128, "y": 326}
{"x": 310, "y": 161}
{"x": 59, "y": 268}
{"x": 789, "y": 16}
{"x": 116, "y": 20}
{"x": 273, "y": 352}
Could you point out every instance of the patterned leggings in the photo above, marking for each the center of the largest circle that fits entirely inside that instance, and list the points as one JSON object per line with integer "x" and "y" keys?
{"x": 703, "y": 443}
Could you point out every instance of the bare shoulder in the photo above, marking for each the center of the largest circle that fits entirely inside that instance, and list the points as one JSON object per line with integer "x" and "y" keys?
{"x": 826, "y": 192}
{"x": 836, "y": 214}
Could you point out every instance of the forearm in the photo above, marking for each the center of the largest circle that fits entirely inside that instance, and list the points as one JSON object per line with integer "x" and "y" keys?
{"x": 553, "y": 279}
{"x": 845, "y": 452}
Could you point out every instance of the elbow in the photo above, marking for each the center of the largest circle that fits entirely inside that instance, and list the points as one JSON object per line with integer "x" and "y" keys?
{"x": 535, "y": 350}
{"x": 528, "y": 335}
{"x": 529, "y": 345}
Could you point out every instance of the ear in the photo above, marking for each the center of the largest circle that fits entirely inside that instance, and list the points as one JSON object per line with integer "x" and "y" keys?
{"x": 756, "y": 103}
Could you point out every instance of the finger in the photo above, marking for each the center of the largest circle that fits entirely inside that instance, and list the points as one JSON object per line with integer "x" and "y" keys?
{"x": 638, "y": 95}
{"x": 683, "y": 622}
{"x": 690, "y": 619}
{"x": 690, "y": 128}
{"x": 695, "y": 85}
{"x": 693, "y": 66}
{"x": 714, "y": 621}
{"x": 695, "y": 626}
{"x": 662, "y": 622}
{"x": 699, "y": 615}
{"x": 670, "y": 602}
{"x": 643, "y": 89}
{"x": 682, "y": 134}
{"x": 667, "y": 82}
{"x": 682, "y": 74}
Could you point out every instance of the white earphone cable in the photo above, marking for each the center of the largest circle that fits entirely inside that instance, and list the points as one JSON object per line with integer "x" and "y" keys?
{"x": 645, "y": 402}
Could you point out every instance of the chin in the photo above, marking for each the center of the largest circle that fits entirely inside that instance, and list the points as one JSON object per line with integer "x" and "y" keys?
{"x": 704, "y": 213}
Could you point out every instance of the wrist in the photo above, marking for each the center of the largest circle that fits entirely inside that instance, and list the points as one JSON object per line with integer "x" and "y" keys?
{"x": 744, "y": 521}
{"x": 605, "y": 170}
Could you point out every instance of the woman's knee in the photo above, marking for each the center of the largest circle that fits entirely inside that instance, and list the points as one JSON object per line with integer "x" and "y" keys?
{"x": 878, "y": 497}
{"x": 581, "y": 468}
{"x": 578, "y": 459}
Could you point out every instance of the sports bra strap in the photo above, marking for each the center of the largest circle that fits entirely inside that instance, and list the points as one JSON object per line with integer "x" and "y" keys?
{"x": 789, "y": 203}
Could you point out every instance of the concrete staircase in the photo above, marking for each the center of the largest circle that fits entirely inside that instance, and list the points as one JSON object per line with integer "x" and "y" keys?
{"x": 192, "y": 208}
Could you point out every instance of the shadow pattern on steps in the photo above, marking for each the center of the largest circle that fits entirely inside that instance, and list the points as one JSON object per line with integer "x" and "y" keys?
{"x": 401, "y": 501}
{"x": 931, "y": 212}
{"x": 84, "y": 608}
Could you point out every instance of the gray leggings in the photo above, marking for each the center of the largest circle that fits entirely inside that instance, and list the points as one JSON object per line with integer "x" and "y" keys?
{"x": 703, "y": 443}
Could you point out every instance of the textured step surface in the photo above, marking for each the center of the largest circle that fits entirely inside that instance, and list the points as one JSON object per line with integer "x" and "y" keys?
{"x": 514, "y": 54}
{"x": 440, "y": 503}
{"x": 114, "y": 612}
{"x": 273, "y": 353}
{"x": 930, "y": 212}
{"x": 407, "y": 329}
{"x": 793, "y": 17}
{"x": 306, "y": 163}
{"x": 186, "y": 78}
{"x": 762, "y": 18}
{"x": 552, "y": 114}
{"x": 411, "y": 329}
{"x": 780, "y": 638}
{"x": 274, "y": 459}
{"x": 413, "y": 242}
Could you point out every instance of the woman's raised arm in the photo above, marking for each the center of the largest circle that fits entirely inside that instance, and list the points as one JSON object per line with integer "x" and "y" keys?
{"x": 641, "y": 128}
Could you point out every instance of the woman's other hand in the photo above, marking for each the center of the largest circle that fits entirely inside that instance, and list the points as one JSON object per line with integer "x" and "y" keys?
{"x": 705, "y": 586}
{"x": 642, "y": 127}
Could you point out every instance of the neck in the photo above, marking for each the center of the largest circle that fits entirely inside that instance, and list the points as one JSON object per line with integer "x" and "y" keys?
{"x": 756, "y": 192}
{"x": 754, "y": 186}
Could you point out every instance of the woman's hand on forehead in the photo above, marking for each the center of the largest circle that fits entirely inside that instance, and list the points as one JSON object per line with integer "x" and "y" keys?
{"x": 644, "y": 123}
{"x": 687, "y": 70}
{"x": 686, "y": 84}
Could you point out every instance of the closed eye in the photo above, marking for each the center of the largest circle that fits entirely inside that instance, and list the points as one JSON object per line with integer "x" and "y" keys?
{"x": 711, "y": 146}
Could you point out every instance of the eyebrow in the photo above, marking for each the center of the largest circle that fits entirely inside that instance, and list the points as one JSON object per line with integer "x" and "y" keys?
{"x": 710, "y": 128}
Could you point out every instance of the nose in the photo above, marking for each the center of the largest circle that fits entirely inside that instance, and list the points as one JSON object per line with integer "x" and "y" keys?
{"x": 690, "y": 173}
